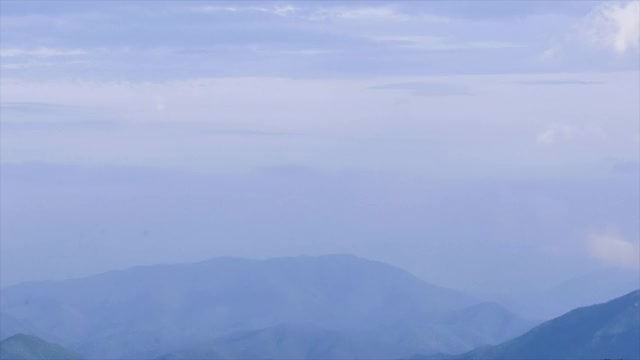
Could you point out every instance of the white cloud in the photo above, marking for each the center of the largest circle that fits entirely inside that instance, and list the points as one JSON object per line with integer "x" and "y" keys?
{"x": 39, "y": 64}
{"x": 615, "y": 26}
{"x": 436, "y": 43}
{"x": 614, "y": 250}
{"x": 361, "y": 13}
{"x": 42, "y": 52}
{"x": 550, "y": 53}
{"x": 307, "y": 52}
{"x": 214, "y": 9}
{"x": 280, "y": 10}
{"x": 561, "y": 133}
{"x": 373, "y": 13}
{"x": 355, "y": 13}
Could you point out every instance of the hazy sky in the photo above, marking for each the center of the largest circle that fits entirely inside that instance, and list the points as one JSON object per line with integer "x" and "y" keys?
{"x": 455, "y": 139}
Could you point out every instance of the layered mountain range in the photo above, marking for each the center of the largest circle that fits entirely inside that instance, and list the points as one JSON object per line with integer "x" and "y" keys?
{"x": 332, "y": 306}
{"x": 326, "y": 307}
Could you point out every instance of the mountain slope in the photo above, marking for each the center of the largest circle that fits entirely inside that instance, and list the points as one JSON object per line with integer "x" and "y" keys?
{"x": 201, "y": 352}
{"x": 9, "y": 326}
{"x": 589, "y": 289}
{"x": 486, "y": 323}
{"x": 154, "y": 310}
{"x": 284, "y": 341}
{"x": 26, "y": 347}
{"x": 609, "y": 330}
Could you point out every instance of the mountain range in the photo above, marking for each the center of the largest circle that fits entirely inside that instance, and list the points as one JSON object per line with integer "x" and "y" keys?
{"x": 588, "y": 289}
{"x": 609, "y": 330}
{"x": 333, "y": 306}
{"x": 605, "y": 331}
{"x": 26, "y": 347}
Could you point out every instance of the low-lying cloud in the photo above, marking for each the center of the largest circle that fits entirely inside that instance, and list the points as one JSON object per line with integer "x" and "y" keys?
{"x": 614, "y": 250}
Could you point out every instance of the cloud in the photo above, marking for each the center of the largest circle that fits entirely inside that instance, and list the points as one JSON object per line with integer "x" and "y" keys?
{"x": 41, "y": 52}
{"x": 615, "y": 26}
{"x": 614, "y": 251}
{"x": 369, "y": 13}
{"x": 422, "y": 88}
{"x": 245, "y": 132}
{"x": 561, "y": 133}
{"x": 384, "y": 13}
{"x": 22, "y": 106}
{"x": 279, "y": 10}
{"x": 40, "y": 64}
{"x": 437, "y": 43}
{"x": 24, "y": 115}
{"x": 610, "y": 26}
{"x": 560, "y": 82}
{"x": 60, "y": 124}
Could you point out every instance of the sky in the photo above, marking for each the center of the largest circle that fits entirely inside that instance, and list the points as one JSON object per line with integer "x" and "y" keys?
{"x": 454, "y": 139}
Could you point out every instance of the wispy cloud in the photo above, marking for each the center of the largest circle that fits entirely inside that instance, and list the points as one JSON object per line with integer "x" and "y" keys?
{"x": 22, "y": 65}
{"x": 322, "y": 13}
{"x": 41, "y": 52}
{"x": 59, "y": 125}
{"x": 436, "y": 43}
{"x": 21, "y": 106}
{"x": 384, "y": 13}
{"x": 562, "y": 133}
{"x": 614, "y": 250}
{"x": 279, "y": 10}
{"x": 427, "y": 88}
{"x": 244, "y": 132}
{"x": 560, "y": 82}
{"x": 34, "y": 115}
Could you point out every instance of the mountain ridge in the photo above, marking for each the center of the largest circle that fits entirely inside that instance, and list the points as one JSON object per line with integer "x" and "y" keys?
{"x": 149, "y": 311}
{"x": 609, "y": 330}
{"x": 28, "y": 347}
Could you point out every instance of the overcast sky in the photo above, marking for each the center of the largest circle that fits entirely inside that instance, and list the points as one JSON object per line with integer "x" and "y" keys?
{"x": 432, "y": 135}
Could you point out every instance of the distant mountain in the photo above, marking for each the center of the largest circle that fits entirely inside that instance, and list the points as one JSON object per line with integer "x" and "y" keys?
{"x": 288, "y": 341}
{"x": 298, "y": 341}
{"x": 585, "y": 290}
{"x": 285, "y": 341}
{"x": 9, "y": 326}
{"x": 484, "y": 323}
{"x": 201, "y": 352}
{"x": 147, "y": 312}
{"x": 27, "y": 347}
{"x": 604, "y": 331}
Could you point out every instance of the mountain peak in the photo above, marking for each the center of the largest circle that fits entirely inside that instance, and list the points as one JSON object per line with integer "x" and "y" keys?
{"x": 607, "y": 330}
{"x": 28, "y": 347}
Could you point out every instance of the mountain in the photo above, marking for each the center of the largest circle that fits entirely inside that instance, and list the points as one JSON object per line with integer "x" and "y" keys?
{"x": 287, "y": 341}
{"x": 484, "y": 323}
{"x": 589, "y": 289}
{"x": 605, "y": 331}
{"x": 150, "y": 311}
{"x": 202, "y": 352}
{"x": 27, "y": 347}
{"x": 303, "y": 341}
{"x": 284, "y": 341}
{"x": 9, "y": 326}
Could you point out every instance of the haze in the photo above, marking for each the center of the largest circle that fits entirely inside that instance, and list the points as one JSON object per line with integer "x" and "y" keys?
{"x": 487, "y": 147}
